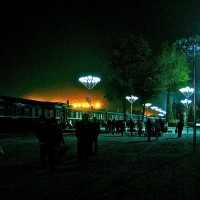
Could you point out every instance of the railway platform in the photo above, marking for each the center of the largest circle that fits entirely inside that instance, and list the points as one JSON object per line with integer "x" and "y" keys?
{"x": 126, "y": 167}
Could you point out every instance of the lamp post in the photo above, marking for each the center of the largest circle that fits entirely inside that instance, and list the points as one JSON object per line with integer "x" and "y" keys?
{"x": 131, "y": 99}
{"x": 186, "y": 102}
{"x": 191, "y": 50}
{"x": 89, "y": 82}
{"x": 187, "y": 92}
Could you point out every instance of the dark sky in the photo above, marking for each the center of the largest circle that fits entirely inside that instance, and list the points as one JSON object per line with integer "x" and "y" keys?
{"x": 45, "y": 47}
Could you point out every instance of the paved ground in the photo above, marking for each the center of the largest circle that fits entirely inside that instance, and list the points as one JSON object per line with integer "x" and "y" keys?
{"x": 125, "y": 168}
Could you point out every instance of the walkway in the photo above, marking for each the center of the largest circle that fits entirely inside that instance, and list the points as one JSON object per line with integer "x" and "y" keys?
{"x": 125, "y": 168}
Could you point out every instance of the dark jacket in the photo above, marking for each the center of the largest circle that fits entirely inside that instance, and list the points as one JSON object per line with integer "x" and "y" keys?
{"x": 43, "y": 133}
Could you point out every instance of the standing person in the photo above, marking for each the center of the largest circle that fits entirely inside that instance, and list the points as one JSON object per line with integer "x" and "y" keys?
{"x": 179, "y": 128}
{"x": 95, "y": 133}
{"x": 157, "y": 128}
{"x": 161, "y": 125}
{"x": 139, "y": 126}
{"x": 121, "y": 127}
{"x": 109, "y": 125}
{"x": 113, "y": 126}
{"x": 149, "y": 129}
{"x": 131, "y": 126}
{"x": 46, "y": 139}
{"x": 117, "y": 125}
{"x": 56, "y": 131}
{"x": 58, "y": 140}
{"x": 83, "y": 133}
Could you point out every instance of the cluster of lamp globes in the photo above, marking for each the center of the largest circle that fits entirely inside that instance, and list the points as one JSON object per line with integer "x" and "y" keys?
{"x": 132, "y": 99}
{"x": 91, "y": 81}
{"x": 187, "y": 92}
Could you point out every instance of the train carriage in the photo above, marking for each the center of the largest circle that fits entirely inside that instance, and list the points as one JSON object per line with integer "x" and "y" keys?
{"x": 17, "y": 114}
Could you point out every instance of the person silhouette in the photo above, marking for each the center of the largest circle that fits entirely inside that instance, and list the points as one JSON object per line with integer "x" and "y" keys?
{"x": 83, "y": 131}
{"x": 149, "y": 129}
{"x": 44, "y": 135}
{"x": 131, "y": 126}
{"x": 94, "y": 136}
{"x": 179, "y": 128}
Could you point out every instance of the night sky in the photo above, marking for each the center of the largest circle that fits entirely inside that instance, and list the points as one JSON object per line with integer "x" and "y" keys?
{"x": 46, "y": 47}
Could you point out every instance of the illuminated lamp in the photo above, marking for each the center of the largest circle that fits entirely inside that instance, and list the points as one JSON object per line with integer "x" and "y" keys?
{"x": 131, "y": 99}
{"x": 89, "y": 82}
{"x": 190, "y": 48}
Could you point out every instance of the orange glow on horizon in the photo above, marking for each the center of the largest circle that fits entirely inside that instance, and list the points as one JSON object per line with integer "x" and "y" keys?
{"x": 74, "y": 96}
{"x": 97, "y": 105}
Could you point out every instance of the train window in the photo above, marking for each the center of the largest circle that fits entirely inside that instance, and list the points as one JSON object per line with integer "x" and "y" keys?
{"x": 77, "y": 115}
{"x": 36, "y": 112}
{"x": 26, "y": 111}
{"x": 33, "y": 112}
{"x": 51, "y": 113}
{"x": 57, "y": 113}
{"x": 10, "y": 111}
{"x": 19, "y": 111}
{"x": 47, "y": 113}
{"x": 2, "y": 110}
{"x": 72, "y": 114}
{"x": 40, "y": 112}
{"x": 14, "y": 113}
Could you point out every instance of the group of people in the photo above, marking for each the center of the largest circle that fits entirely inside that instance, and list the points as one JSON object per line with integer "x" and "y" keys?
{"x": 87, "y": 138}
{"x": 118, "y": 127}
{"x": 157, "y": 128}
{"x": 154, "y": 129}
{"x": 132, "y": 126}
{"x": 50, "y": 137}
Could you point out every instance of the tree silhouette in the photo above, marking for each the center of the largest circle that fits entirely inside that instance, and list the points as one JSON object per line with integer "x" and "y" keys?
{"x": 174, "y": 70}
{"x": 131, "y": 71}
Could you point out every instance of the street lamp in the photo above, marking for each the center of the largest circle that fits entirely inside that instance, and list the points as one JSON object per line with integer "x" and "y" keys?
{"x": 186, "y": 102}
{"x": 187, "y": 92}
{"x": 89, "y": 82}
{"x": 131, "y": 99}
{"x": 191, "y": 50}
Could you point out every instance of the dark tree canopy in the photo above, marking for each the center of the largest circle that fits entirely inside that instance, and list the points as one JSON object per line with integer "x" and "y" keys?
{"x": 174, "y": 74}
{"x": 131, "y": 70}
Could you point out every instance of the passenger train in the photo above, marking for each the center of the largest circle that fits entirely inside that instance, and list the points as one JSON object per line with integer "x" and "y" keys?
{"x": 18, "y": 114}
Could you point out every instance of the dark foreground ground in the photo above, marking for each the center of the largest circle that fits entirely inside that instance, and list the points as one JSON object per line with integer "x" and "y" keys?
{"x": 125, "y": 168}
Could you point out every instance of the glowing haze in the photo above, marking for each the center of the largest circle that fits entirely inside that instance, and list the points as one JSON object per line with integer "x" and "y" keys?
{"x": 74, "y": 95}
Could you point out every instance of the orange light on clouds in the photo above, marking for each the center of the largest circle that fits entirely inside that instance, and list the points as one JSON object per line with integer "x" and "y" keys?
{"x": 60, "y": 94}
{"x": 97, "y": 105}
